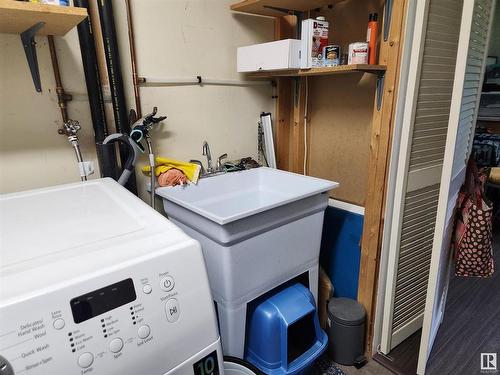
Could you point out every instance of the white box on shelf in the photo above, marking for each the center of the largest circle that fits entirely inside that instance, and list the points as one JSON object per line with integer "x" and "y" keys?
{"x": 282, "y": 54}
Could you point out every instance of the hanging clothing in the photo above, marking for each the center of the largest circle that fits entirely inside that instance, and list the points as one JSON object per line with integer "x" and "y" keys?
{"x": 473, "y": 230}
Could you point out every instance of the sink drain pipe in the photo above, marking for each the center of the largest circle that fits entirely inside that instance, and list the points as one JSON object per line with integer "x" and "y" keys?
{"x": 106, "y": 155}
{"x": 115, "y": 79}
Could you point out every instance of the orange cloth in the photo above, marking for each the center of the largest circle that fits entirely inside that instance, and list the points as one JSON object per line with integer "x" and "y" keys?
{"x": 172, "y": 177}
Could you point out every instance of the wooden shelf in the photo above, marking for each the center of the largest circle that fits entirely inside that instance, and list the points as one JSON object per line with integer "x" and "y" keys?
{"x": 271, "y": 7}
{"x": 18, "y": 16}
{"x": 341, "y": 69}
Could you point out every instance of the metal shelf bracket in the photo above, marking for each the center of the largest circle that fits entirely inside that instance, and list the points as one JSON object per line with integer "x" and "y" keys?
{"x": 380, "y": 89}
{"x": 29, "y": 45}
{"x": 387, "y": 18}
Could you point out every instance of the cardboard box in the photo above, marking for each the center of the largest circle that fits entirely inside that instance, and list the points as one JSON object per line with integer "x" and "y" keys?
{"x": 314, "y": 38}
{"x": 282, "y": 54}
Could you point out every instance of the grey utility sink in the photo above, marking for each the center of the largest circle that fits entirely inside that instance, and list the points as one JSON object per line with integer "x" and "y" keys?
{"x": 233, "y": 196}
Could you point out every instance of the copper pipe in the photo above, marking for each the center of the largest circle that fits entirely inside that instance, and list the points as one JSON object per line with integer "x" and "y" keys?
{"x": 62, "y": 96}
{"x": 135, "y": 79}
{"x": 69, "y": 127}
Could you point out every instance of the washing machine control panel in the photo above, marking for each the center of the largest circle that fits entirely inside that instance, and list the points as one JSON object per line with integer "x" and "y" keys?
{"x": 143, "y": 319}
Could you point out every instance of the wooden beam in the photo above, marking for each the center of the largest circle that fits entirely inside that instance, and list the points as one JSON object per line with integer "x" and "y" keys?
{"x": 284, "y": 28}
{"x": 380, "y": 148}
{"x": 290, "y": 108}
{"x": 297, "y": 145}
{"x": 282, "y": 122}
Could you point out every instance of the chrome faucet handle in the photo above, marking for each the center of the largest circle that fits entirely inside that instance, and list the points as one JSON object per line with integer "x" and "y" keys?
{"x": 219, "y": 161}
{"x": 202, "y": 169}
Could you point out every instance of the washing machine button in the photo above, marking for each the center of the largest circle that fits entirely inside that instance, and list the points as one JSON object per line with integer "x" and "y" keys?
{"x": 116, "y": 345}
{"x": 59, "y": 323}
{"x": 172, "y": 310}
{"x": 167, "y": 283}
{"x": 85, "y": 360}
{"x": 147, "y": 289}
{"x": 143, "y": 331}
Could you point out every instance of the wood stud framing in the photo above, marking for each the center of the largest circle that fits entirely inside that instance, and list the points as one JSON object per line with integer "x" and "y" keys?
{"x": 284, "y": 28}
{"x": 380, "y": 149}
{"x": 297, "y": 146}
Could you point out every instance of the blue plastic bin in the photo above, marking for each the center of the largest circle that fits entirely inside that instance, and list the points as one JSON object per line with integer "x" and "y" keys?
{"x": 284, "y": 336}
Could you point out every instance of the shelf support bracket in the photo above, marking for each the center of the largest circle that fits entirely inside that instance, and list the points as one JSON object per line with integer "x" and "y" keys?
{"x": 380, "y": 89}
{"x": 285, "y": 11}
{"x": 29, "y": 45}
{"x": 387, "y": 18}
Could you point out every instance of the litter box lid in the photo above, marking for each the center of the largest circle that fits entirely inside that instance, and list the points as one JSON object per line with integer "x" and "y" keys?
{"x": 346, "y": 311}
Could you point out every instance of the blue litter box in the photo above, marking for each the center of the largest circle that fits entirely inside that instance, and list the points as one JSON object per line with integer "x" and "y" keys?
{"x": 284, "y": 336}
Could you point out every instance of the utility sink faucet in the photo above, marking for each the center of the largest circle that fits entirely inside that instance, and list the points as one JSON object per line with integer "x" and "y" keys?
{"x": 210, "y": 170}
{"x": 206, "y": 152}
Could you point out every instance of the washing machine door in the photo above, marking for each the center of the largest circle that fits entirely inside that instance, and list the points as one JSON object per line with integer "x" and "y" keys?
{"x": 237, "y": 366}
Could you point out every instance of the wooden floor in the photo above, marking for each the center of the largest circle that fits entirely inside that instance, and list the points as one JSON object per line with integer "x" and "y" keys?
{"x": 371, "y": 368}
{"x": 403, "y": 359}
{"x": 471, "y": 324}
{"x": 325, "y": 366}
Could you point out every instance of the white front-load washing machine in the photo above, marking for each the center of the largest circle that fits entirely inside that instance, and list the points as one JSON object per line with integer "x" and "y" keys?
{"x": 93, "y": 281}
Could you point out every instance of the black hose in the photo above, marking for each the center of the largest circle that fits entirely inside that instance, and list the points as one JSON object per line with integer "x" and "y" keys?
{"x": 105, "y": 153}
{"x": 115, "y": 78}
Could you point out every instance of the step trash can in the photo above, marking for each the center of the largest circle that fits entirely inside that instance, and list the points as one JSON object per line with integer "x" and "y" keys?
{"x": 284, "y": 336}
{"x": 346, "y": 331}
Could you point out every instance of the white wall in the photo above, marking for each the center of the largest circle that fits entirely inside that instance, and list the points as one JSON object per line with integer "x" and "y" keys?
{"x": 32, "y": 154}
{"x": 173, "y": 39}
{"x": 179, "y": 39}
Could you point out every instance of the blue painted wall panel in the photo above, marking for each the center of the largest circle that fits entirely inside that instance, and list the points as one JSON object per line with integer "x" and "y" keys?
{"x": 341, "y": 250}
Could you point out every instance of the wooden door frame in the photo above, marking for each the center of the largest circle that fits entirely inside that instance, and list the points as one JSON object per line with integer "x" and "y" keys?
{"x": 398, "y": 131}
{"x": 391, "y": 52}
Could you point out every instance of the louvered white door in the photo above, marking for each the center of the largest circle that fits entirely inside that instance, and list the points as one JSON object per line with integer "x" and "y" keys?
{"x": 477, "y": 17}
{"x": 420, "y": 165}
